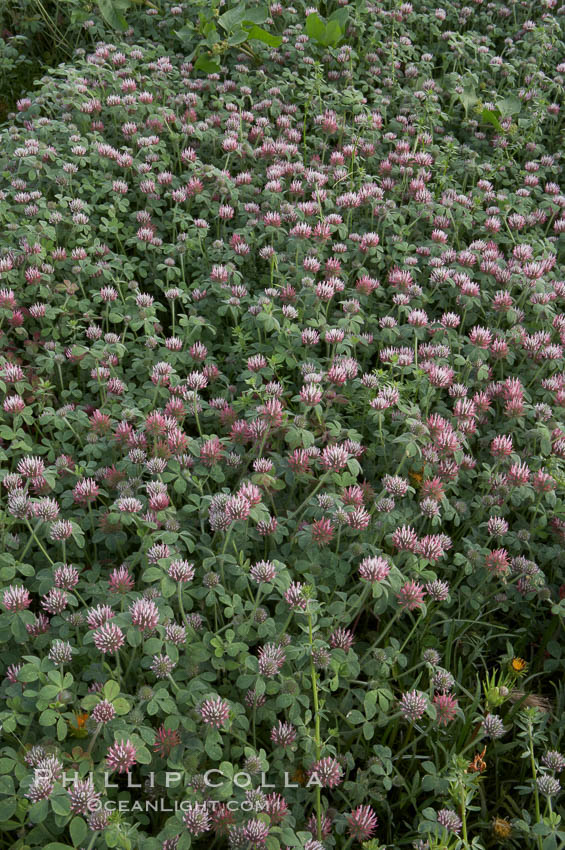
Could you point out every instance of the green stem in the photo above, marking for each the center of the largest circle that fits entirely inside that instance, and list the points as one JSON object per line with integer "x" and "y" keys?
{"x": 362, "y": 600}
{"x": 91, "y": 842}
{"x": 118, "y": 667}
{"x": 383, "y": 634}
{"x": 286, "y": 625}
{"x": 92, "y": 529}
{"x": 317, "y": 738}
{"x": 60, "y": 377}
{"x": 93, "y": 739}
{"x": 338, "y": 540}
{"x": 464, "y": 817}
{"x": 257, "y": 598}
{"x": 181, "y": 606}
{"x": 133, "y": 656}
{"x": 33, "y": 534}
{"x": 412, "y": 630}
{"x": 29, "y": 540}
{"x": 320, "y": 484}
{"x": 536, "y": 508}
{"x": 196, "y": 415}
{"x": 173, "y": 683}
{"x": 79, "y": 597}
{"x": 225, "y": 546}
{"x": 534, "y": 774}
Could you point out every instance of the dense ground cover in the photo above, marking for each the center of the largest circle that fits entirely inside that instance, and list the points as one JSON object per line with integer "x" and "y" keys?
{"x": 283, "y": 450}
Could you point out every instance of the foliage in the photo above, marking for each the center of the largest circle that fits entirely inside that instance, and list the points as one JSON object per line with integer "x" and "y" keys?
{"x": 282, "y": 444}
{"x": 240, "y": 24}
{"x": 327, "y": 34}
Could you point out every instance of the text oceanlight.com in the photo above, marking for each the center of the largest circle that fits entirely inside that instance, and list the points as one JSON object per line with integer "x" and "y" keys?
{"x": 165, "y": 805}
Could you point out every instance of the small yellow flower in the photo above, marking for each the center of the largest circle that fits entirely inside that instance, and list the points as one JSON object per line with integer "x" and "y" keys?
{"x": 79, "y": 730}
{"x": 501, "y": 828}
{"x": 518, "y": 666}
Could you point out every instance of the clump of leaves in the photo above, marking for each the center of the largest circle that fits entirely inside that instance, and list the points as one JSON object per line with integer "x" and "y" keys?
{"x": 236, "y": 28}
